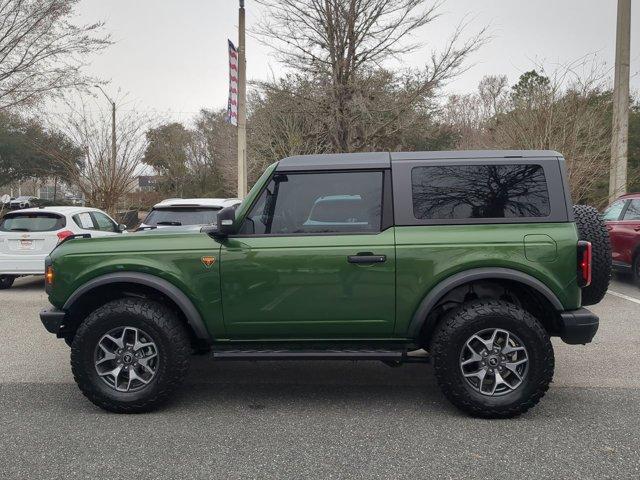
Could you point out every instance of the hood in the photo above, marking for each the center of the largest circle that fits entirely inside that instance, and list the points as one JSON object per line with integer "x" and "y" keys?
{"x": 147, "y": 241}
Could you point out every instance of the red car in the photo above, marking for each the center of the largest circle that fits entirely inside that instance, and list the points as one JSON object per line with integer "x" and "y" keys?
{"x": 622, "y": 218}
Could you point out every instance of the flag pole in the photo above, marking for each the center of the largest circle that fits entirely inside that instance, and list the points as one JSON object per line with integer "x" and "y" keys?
{"x": 242, "y": 112}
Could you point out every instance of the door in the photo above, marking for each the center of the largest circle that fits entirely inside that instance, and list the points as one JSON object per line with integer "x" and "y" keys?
{"x": 611, "y": 217}
{"x": 315, "y": 258}
{"x": 627, "y": 232}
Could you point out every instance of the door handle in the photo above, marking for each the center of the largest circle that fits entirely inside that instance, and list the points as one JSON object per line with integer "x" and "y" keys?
{"x": 637, "y": 228}
{"x": 609, "y": 227}
{"x": 366, "y": 257}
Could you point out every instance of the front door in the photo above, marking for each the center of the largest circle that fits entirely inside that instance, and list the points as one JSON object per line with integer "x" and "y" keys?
{"x": 626, "y": 233}
{"x": 612, "y": 216}
{"x": 313, "y": 259}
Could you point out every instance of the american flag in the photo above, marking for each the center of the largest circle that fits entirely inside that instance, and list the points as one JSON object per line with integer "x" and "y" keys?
{"x": 232, "y": 106}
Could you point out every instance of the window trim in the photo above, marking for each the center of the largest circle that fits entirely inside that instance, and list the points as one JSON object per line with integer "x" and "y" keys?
{"x": 403, "y": 192}
{"x": 386, "y": 214}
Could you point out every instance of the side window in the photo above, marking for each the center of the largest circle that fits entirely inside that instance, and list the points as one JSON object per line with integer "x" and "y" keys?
{"x": 299, "y": 203}
{"x": 633, "y": 211}
{"x": 613, "y": 211}
{"x": 103, "y": 222}
{"x": 84, "y": 221}
{"x": 479, "y": 191}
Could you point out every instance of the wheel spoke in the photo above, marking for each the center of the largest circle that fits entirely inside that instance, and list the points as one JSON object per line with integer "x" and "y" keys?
{"x": 499, "y": 381}
{"x": 492, "y": 340}
{"x": 118, "y": 341}
{"x": 133, "y": 375}
{"x": 479, "y": 339}
{"x": 479, "y": 374}
{"x": 473, "y": 359}
{"x": 513, "y": 367}
{"x": 507, "y": 349}
{"x": 107, "y": 357}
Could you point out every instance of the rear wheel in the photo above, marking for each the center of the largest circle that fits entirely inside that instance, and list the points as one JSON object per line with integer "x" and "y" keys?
{"x": 6, "y": 281}
{"x": 492, "y": 359}
{"x": 129, "y": 355}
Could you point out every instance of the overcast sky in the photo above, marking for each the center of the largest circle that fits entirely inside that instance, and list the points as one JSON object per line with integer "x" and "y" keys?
{"x": 171, "y": 55}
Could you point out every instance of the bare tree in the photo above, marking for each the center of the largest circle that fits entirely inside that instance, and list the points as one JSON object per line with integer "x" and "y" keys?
{"x": 103, "y": 180}
{"x": 341, "y": 45}
{"x": 567, "y": 111}
{"x": 41, "y": 52}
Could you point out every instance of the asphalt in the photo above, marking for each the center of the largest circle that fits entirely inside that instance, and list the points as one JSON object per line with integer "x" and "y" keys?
{"x": 318, "y": 419}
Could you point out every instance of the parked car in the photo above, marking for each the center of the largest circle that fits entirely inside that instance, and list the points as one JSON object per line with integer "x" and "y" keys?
{"x": 175, "y": 212}
{"x": 27, "y": 236}
{"x": 471, "y": 260}
{"x": 24, "y": 201}
{"x": 622, "y": 219}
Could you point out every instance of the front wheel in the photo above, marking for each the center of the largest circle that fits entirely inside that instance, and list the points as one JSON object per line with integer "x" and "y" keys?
{"x": 492, "y": 359}
{"x": 129, "y": 355}
{"x": 6, "y": 281}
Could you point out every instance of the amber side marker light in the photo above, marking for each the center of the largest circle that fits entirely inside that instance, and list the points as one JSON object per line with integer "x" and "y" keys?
{"x": 48, "y": 276}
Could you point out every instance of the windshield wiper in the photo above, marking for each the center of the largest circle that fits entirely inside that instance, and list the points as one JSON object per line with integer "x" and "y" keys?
{"x": 172, "y": 224}
{"x": 19, "y": 230}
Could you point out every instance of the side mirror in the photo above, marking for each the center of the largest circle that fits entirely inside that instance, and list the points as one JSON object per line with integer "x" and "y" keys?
{"x": 226, "y": 220}
{"x": 121, "y": 227}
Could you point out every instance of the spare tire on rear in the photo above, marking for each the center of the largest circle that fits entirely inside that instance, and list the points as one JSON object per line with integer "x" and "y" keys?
{"x": 591, "y": 228}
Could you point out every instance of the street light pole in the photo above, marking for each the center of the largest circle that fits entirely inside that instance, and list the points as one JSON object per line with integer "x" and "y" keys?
{"x": 242, "y": 111}
{"x": 113, "y": 132}
{"x": 620, "y": 133}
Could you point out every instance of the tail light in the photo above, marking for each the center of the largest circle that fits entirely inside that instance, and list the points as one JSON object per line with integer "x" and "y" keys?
{"x": 584, "y": 263}
{"x": 64, "y": 234}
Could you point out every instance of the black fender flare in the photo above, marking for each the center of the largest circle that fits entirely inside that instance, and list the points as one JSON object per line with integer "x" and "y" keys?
{"x": 421, "y": 315}
{"x": 163, "y": 286}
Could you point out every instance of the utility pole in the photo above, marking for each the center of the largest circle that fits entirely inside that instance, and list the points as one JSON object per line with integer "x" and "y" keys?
{"x": 113, "y": 132}
{"x": 242, "y": 109}
{"x": 620, "y": 133}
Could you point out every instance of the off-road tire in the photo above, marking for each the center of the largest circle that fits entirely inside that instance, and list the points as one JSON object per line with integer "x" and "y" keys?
{"x": 6, "y": 281}
{"x": 470, "y": 318}
{"x": 592, "y": 228}
{"x": 166, "y": 330}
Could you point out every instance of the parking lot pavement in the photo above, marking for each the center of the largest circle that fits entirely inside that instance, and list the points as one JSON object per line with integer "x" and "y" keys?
{"x": 318, "y": 419}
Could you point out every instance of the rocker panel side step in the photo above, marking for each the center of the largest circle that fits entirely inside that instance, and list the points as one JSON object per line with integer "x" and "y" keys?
{"x": 383, "y": 355}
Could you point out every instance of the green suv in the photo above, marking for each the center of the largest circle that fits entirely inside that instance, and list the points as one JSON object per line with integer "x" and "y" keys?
{"x": 469, "y": 260}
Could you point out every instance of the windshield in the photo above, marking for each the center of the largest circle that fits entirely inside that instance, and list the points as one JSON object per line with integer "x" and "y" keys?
{"x": 31, "y": 222}
{"x": 177, "y": 216}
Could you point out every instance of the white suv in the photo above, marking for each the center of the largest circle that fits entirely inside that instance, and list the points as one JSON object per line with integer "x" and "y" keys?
{"x": 178, "y": 212}
{"x": 28, "y": 236}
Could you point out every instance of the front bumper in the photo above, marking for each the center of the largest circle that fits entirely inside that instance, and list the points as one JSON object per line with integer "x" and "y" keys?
{"x": 53, "y": 320}
{"x": 578, "y": 326}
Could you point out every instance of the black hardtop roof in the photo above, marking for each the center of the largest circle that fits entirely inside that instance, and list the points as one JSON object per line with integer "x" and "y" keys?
{"x": 365, "y": 160}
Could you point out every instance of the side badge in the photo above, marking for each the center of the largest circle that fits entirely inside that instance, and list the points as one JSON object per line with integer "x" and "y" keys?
{"x": 208, "y": 261}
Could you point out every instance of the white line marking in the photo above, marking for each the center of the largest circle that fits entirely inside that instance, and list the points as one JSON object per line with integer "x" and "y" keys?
{"x": 622, "y": 295}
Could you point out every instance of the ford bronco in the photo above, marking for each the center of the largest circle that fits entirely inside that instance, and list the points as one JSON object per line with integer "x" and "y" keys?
{"x": 470, "y": 260}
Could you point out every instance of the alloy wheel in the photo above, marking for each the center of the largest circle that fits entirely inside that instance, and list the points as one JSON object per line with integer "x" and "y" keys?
{"x": 126, "y": 359}
{"x": 494, "y": 362}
